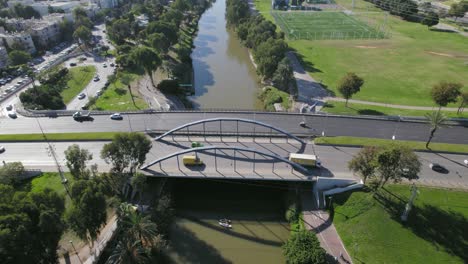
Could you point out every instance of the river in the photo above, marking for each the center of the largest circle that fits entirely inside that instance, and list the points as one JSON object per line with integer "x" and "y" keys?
{"x": 224, "y": 75}
{"x": 256, "y": 213}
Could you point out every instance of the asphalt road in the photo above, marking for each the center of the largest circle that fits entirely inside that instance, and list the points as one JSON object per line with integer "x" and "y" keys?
{"x": 331, "y": 126}
{"x": 334, "y": 160}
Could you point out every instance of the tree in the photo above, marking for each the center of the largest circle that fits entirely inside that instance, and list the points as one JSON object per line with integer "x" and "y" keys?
{"x": 119, "y": 30}
{"x": 135, "y": 226}
{"x": 159, "y": 42}
{"x": 268, "y": 54}
{"x": 364, "y": 162}
{"x": 126, "y": 151}
{"x": 436, "y": 120}
{"x": 458, "y": 10}
{"x": 169, "y": 30}
{"x": 18, "y": 57}
{"x": 148, "y": 59}
{"x": 81, "y": 18}
{"x": 463, "y": 103}
{"x": 76, "y": 161}
{"x": 349, "y": 85}
{"x": 139, "y": 182}
{"x": 10, "y": 173}
{"x": 88, "y": 212}
{"x": 128, "y": 252}
{"x": 82, "y": 35}
{"x": 430, "y": 19}
{"x": 396, "y": 162}
{"x": 303, "y": 247}
{"x": 444, "y": 93}
{"x": 30, "y": 225}
{"x": 26, "y": 12}
{"x": 283, "y": 78}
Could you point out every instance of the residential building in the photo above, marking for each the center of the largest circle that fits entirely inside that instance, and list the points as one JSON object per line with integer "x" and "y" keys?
{"x": 45, "y": 33}
{"x": 3, "y": 57}
{"x": 23, "y": 39}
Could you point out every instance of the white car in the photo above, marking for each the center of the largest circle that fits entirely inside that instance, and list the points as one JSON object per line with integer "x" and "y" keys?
{"x": 104, "y": 65}
{"x": 81, "y": 96}
{"x": 116, "y": 116}
{"x": 12, "y": 114}
{"x": 2, "y": 149}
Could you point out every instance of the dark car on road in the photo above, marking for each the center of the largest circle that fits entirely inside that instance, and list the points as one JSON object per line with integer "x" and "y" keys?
{"x": 437, "y": 167}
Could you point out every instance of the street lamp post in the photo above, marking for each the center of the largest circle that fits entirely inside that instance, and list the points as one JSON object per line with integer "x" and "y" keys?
{"x": 76, "y": 252}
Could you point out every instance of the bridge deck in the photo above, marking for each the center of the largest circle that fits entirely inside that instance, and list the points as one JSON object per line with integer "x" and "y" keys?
{"x": 225, "y": 164}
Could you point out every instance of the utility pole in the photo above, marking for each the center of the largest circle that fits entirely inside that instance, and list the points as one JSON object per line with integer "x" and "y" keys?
{"x": 409, "y": 205}
{"x": 51, "y": 150}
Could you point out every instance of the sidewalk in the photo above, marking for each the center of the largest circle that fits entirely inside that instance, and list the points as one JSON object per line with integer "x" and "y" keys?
{"x": 86, "y": 254}
{"x": 424, "y": 108}
{"x": 319, "y": 221}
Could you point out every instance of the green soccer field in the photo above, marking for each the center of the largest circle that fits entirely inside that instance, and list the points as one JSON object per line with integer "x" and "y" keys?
{"x": 325, "y": 25}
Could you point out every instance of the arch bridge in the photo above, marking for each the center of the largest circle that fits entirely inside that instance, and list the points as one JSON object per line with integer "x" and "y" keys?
{"x": 229, "y": 162}
{"x": 234, "y": 128}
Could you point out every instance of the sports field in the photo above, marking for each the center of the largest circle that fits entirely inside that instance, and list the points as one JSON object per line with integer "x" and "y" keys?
{"x": 317, "y": 25}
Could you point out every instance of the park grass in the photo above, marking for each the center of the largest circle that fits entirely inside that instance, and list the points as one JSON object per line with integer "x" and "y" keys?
{"x": 58, "y": 136}
{"x": 416, "y": 145}
{"x": 264, "y": 7}
{"x": 362, "y": 109}
{"x": 399, "y": 70}
{"x": 117, "y": 97}
{"x": 78, "y": 78}
{"x": 370, "y": 226}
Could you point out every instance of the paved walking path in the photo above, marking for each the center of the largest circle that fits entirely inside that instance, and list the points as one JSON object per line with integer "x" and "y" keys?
{"x": 424, "y": 108}
{"x": 87, "y": 255}
{"x": 319, "y": 221}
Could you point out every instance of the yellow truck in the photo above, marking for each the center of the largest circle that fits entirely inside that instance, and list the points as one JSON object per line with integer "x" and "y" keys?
{"x": 191, "y": 160}
{"x": 306, "y": 160}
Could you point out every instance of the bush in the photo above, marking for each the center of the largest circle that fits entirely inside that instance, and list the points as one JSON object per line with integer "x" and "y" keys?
{"x": 292, "y": 213}
{"x": 304, "y": 248}
{"x": 169, "y": 86}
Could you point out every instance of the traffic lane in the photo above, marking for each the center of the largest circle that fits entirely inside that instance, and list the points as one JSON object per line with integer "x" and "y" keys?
{"x": 335, "y": 159}
{"x": 169, "y": 120}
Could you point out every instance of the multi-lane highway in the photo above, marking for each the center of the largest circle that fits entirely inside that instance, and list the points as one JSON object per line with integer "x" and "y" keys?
{"x": 334, "y": 160}
{"x": 163, "y": 121}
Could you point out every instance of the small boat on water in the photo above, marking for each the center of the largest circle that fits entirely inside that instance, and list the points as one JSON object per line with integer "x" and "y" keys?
{"x": 225, "y": 223}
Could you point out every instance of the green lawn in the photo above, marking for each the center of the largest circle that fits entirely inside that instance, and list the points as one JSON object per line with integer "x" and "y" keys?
{"x": 118, "y": 98}
{"x": 362, "y": 109}
{"x": 370, "y": 226}
{"x": 58, "y": 136}
{"x": 416, "y": 145}
{"x": 78, "y": 79}
{"x": 398, "y": 70}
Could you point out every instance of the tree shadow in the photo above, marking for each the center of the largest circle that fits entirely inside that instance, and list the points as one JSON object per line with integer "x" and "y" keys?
{"x": 307, "y": 65}
{"x": 446, "y": 230}
{"x": 443, "y": 30}
{"x": 120, "y": 91}
{"x": 369, "y": 112}
{"x": 193, "y": 250}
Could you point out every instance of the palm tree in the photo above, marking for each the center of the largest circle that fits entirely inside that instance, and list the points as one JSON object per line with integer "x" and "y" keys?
{"x": 136, "y": 226}
{"x": 436, "y": 120}
{"x": 128, "y": 252}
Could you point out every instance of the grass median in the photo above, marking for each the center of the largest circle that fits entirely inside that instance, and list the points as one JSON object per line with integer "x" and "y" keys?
{"x": 416, "y": 145}
{"x": 58, "y": 136}
{"x": 370, "y": 226}
{"x": 78, "y": 79}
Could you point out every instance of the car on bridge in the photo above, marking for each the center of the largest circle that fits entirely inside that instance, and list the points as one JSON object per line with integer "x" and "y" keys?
{"x": 191, "y": 160}
{"x": 78, "y": 116}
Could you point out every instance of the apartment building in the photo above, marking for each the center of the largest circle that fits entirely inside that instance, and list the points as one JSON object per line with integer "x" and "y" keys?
{"x": 23, "y": 39}
{"x": 3, "y": 57}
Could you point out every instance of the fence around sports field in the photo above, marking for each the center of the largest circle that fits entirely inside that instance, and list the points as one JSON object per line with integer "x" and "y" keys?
{"x": 332, "y": 25}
